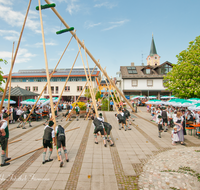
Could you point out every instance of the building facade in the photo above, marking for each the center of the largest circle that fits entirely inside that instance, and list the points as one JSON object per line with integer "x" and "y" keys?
{"x": 145, "y": 80}
{"x": 35, "y": 80}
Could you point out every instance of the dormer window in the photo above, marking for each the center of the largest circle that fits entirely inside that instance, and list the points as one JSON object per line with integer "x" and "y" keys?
{"x": 156, "y": 58}
{"x": 165, "y": 69}
{"x": 148, "y": 71}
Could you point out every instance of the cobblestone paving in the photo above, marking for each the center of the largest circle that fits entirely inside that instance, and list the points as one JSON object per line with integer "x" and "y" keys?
{"x": 123, "y": 181}
{"x": 173, "y": 169}
{"x": 76, "y": 168}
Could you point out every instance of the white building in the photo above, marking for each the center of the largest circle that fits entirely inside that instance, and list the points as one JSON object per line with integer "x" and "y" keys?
{"x": 35, "y": 80}
{"x": 145, "y": 80}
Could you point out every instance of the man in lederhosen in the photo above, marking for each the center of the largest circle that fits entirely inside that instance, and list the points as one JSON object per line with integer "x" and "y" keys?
{"x": 108, "y": 128}
{"x": 98, "y": 127}
{"x": 49, "y": 135}
{"x": 4, "y": 136}
{"x": 60, "y": 133}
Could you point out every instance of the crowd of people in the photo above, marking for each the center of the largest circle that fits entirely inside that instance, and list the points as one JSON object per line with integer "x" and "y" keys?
{"x": 173, "y": 117}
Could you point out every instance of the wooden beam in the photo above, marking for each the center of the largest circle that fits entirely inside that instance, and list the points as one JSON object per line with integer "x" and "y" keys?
{"x": 93, "y": 100}
{"x": 66, "y": 81}
{"x": 78, "y": 98}
{"x": 25, "y": 154}
{"x": 47, "y": 71}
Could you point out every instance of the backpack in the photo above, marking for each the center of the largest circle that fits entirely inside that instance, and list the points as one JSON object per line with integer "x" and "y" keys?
{"x": 164, "y": 114}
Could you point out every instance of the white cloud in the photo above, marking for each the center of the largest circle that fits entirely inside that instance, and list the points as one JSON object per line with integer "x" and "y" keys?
{"x": 38, "y": 44}
{"x": 10, "y": 35}
{"x": 72, "y": 6}
{"x": 89, "y": 24}
{"x": 6, "y": 2}
{"x": 106, "y": 4}
{"x": 15, "y": 18}
{"x": 116, "y": 24}
{"x": 23, "y": 56}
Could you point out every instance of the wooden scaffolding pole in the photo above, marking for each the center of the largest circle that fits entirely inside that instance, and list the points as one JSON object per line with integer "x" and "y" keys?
{"x": 111, "y": 95}
{"x": 78, "y": 98}
{"x": 9, "y": 95}
{"x": 90, "y": 55}
{"x": 47, "y": 71}
{"x": 66, "y": 81}
{"x": 93, "y": 98}
{"x": 47, "y": 82}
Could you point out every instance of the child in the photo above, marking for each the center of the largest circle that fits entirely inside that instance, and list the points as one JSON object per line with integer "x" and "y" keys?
{"x": 174, "y": 135}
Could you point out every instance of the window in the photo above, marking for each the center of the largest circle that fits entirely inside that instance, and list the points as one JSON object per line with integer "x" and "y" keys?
{"x": 35, "y": 88}
{"x": 67, "y": 88}
{"x": 45, "y": 90}
{"x": 156, "y": 58}
{"x": 131, "y": 70}
{"x": 88, "y": 87}
{"x": 148, "y": 71}
{"x": 57, "y": 89}
{"x": 165, "y": 69}
{"x": 52, "y": 89}
{"x": 28, "y": 88}
{"x": 149, "y": 82}
{"x": 134, "y": 82}
{"x": 79, "y": 88}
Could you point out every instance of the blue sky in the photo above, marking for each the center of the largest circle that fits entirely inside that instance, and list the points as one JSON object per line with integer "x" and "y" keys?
{"x": 117, "y": 32}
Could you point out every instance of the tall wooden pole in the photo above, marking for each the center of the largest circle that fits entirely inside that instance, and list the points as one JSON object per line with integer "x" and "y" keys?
{"x": 90, "y": 55}
{"x": 94, "y": 96}
{"x": 13, "y": 61}
{"x": 93, "y": 99}
{"x": 66, "y": 81}
{"x": 111, "y": 95}
{"x": 89, "y": 73}
{"x": 9, "y": 95}
{"x": 47, "y": 71}
{"x": 47, "y": 82}
{"x": 78, "y": 97}
{"x": 10, "y": 81}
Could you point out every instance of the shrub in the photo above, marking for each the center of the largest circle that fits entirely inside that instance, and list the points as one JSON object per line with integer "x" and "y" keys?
{"x": 104, "y": 106}
{"x": 81, "y": 105}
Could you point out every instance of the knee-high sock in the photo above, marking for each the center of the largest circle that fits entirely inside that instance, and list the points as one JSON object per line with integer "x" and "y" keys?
{"x": 3, "y": 159}
{"x": 44, "y": 155}
{"x": 50, "y": 152}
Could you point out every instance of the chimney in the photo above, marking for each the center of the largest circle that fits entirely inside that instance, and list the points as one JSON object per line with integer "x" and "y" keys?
{"x": 132, "y": 64}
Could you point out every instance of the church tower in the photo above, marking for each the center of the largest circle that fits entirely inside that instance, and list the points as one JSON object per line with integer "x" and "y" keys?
{"x": 153, "y": 58}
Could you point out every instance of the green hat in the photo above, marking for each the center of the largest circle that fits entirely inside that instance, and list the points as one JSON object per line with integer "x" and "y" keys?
{"x": 5, "y": 115}
{"x": 51, "y": 123}
{"x": 100, "y": 115}
{"x": 159, "y": 116}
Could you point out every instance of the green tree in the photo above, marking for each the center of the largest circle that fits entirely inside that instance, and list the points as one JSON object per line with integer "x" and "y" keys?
{"x": 1, "y": 74}
{"x": 98, "y": 95}
{"x": 104, "y": 106}
{"x": 184, "y": 79}
{"x": 87, "y": 93}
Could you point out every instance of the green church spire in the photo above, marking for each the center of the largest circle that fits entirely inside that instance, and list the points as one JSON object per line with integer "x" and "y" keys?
{"x": 153, "y": 48}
